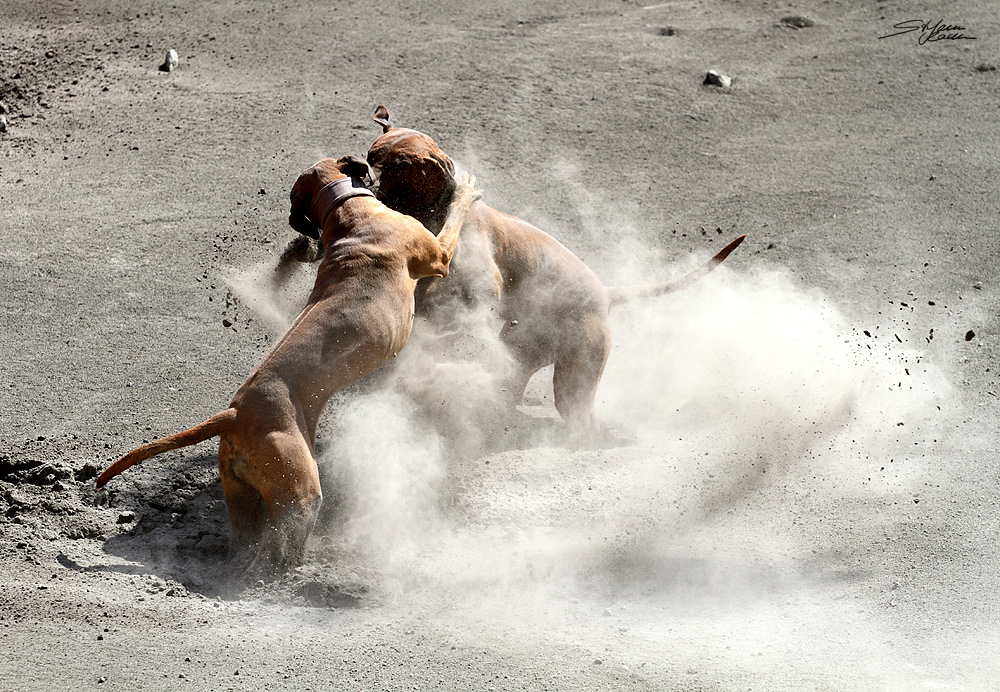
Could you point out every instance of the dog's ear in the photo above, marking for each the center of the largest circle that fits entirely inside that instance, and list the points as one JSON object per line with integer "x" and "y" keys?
{"x": 299, "y": 218}
{"x": 382, "y": 118}
{"x": 446, "y": 163}
{"x": 355, "y": 167}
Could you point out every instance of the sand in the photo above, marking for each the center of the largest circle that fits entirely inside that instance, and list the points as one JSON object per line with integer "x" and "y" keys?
{"x": 804, "y": 494}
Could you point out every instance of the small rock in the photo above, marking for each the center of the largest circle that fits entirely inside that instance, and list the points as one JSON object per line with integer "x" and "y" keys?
{"x": 978, "y": 285}
{"x": 714, "y": 78}
{"x": 970, "y": 335}
{"x": 984, "y": 67}
{"x": 170, "y": 62}
{"x": 796, "y": 22}
{"x": 16, "y": 497}
{"x": 3, "y": 124}
{"x": 227, "y": 324}
{"x": 126, "y": 517}
{"x": 101, "y": 679}
{"x": 598, "y": 662}
{"x": 668, "y": 31}
{"x": 3, "y": 107}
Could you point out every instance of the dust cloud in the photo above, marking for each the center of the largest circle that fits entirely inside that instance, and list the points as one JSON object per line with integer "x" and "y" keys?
{"x": 753, "y": 406}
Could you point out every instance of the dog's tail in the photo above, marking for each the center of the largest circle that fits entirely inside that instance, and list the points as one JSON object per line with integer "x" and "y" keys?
{"x": 216, "y": 425}
{"x": 621, "y": 294}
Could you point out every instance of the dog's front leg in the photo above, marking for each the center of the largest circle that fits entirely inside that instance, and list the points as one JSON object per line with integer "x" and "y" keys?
{"x": 458, "y": 212}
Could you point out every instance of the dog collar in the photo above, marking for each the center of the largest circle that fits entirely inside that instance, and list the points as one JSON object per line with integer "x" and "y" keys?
{"x": 332, "y": 195}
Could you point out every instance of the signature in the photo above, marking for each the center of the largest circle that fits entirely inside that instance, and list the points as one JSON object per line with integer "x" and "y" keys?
{"x": 931, "y": 32}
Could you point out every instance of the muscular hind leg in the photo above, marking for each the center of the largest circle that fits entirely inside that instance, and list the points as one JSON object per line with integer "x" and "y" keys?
{"x": 285, "y": 473}
{"x": 578, "y": 371}
{"x": 529, "y": 357}
{"x": 516, "y": 382}
{"x": 246, "y": 508}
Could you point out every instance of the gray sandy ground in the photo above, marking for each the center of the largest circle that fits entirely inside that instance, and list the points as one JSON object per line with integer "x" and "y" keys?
{"x": 807, "y": 499}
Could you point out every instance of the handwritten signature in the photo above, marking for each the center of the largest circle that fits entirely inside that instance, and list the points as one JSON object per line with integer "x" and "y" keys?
{"x": 931, "y": 32}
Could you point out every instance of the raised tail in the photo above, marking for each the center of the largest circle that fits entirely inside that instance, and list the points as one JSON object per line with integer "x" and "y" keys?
{"x": 621, "y": 294}
{"x": 216, "y": 425}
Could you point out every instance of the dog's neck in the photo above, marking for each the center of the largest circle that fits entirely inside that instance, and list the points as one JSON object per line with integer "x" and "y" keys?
{"x": 332, "y": 195}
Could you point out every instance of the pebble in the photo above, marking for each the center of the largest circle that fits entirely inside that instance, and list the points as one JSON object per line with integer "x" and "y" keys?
{"x": 797, "y": 22}
{"x": 718, "y": 79}
{"x": 170, "y": 62}
{"x": 3, "y": 124}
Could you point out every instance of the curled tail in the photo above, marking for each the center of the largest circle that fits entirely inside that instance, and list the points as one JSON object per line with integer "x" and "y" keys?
{"x": 216, "y": 425}
{"x": 621, "y": 294}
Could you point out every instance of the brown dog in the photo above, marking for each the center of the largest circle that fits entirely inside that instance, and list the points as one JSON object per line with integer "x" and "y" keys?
{"x": 554, "y": 308}
{"x": 358, "y": 316}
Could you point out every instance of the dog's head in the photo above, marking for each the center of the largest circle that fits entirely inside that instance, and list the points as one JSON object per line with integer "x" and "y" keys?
{"x": 304, "y": 217}
{"x": 411, "y": 172}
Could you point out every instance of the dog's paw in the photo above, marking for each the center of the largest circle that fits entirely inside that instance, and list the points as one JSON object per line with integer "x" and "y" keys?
{"x": 467, "y": 188}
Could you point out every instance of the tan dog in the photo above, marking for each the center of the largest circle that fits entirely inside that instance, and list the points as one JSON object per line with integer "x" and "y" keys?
{"x": 554, "y": 308}
{"x": 358, "y": 316}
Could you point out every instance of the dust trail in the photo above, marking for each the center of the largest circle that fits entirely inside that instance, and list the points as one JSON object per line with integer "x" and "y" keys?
{"x": 390, "y": 471}
{"x": 275, "y": 291}
{"x": 759, "y": 409}
{"x": 744, "y": 376}
{"x": 758, "y": 365}
{"x": 740, "y": 393}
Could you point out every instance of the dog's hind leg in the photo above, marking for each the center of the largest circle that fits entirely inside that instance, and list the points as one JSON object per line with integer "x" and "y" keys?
{"x": 577, "y": 374}
{"x": 247, "y": 511}
{"x": 288, "y": 480}
{"x": 530, "y": 352}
